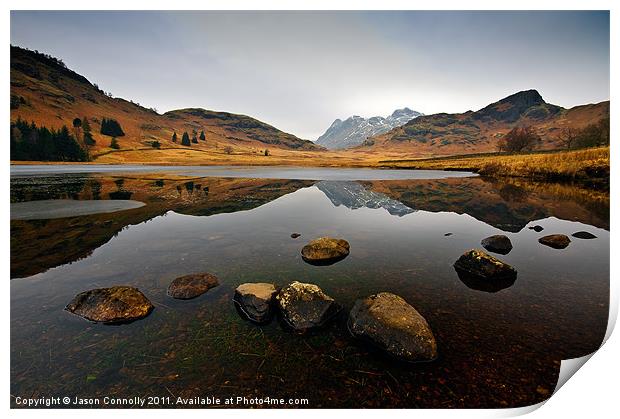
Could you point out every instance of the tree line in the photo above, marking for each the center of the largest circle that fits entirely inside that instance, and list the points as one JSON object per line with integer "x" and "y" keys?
{"x": 29, "y": 142}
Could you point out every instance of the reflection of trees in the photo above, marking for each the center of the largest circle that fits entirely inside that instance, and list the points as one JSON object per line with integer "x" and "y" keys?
{"x": 49, "y": 187}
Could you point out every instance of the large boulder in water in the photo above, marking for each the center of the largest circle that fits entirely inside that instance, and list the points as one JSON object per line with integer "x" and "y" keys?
{"x": 497, "y": 244}
{"x": 388, "y": 322}
{"x": 557, "y": 241}
{"x": 325, "y": 251}
{"x": 305, "y": 306}
{"x": 191, "y": 286}
{"x": 256, "y": 300}
{"x": 118, "y": 304}
{"x": 483, "y": 272}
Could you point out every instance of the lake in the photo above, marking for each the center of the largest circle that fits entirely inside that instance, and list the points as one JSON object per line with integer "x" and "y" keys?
{"x": 406, "y": 229}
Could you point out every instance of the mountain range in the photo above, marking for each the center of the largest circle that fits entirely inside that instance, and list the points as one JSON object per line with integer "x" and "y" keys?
{"x": 479, "y": 131}
{"x": 355, "y": 130}
{"x": 46, "y": 92}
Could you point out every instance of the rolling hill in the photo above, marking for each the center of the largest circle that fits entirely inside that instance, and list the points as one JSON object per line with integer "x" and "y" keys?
{"x": 45, "y": 91}
{"x": 475, "y": 132}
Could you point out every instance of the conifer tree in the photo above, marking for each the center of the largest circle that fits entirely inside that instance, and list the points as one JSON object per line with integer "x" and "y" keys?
{"x": 185, "y": 139}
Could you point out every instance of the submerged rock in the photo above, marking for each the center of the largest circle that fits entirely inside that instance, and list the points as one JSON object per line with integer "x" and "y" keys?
{"x": 536, "y": 228}
{"x": 584, "y": 235}
{"x": 325, "y": 251}
{"x": 305, "y": 306}
{"x": 295, "y": 235}
{"x": 557, "y": 241}
{"x": 483, "y": 272}
{"x": 447, "y": 234}
{"x": 191, "y": 286}
{"x": 255, "y": 300}
{"x": 388, "y": 322}
{"x": 118, "y": 304}
{"x": 497, "y": 244}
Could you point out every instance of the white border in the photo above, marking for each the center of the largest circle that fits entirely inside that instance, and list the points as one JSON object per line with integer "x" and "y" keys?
{"x": 591, "y": 393}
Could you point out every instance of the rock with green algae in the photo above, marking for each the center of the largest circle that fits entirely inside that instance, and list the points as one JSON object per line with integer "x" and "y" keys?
{"x": 119, "y": 304}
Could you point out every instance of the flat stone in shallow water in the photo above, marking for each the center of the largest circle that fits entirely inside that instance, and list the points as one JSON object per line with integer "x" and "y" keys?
{"x": 325, "y": 251}
{"x": 584, "y": 235}
{"x": 255, "y": 300}
{"x": 498, "y": 244}
{"x": 557, "y": 241}
{"x": 390, "y": 323}
{"x": 119, "y": 304}
{"x": 305, "y": 306}
{"x": 483, "y": 272}
{"x": 191, "y": 286}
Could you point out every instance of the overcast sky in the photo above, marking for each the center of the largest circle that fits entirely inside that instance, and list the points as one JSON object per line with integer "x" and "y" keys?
{"x": 301, "y": 70}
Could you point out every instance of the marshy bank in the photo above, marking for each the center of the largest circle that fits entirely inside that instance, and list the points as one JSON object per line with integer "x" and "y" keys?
{"x": 587, "y": 166}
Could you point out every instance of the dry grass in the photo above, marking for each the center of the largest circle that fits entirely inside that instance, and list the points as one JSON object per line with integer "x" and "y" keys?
{"x": 588, "y": 164}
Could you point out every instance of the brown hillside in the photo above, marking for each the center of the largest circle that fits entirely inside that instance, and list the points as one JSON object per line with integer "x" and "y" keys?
{"x": 478, "y": 132}
{"x": 43, "y": 90}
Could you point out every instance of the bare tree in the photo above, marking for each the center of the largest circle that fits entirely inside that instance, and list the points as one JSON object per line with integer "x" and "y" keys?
{"x": 519, "y": 139}
{"x": 567, "y": 138}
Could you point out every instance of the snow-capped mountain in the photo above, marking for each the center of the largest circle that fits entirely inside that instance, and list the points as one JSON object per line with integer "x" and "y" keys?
{"x": 355, "y": 130}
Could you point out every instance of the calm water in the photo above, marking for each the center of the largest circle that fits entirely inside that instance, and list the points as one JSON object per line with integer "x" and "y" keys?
{"x": 262, "y": 172}
{"x": 498, "y": 349}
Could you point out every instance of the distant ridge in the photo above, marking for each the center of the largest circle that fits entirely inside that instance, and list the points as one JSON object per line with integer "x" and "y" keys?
{"x": 479, "y": 131}
{"x": 355, "y": 129}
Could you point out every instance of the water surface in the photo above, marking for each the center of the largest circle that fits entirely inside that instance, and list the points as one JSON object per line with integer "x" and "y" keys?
{"x": 496, "y": 349}
{"x": 259, "y": 172}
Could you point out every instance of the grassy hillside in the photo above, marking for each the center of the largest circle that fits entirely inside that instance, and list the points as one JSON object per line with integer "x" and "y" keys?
{"x": 477, "y": 132}
{"x": 43, "y": 90}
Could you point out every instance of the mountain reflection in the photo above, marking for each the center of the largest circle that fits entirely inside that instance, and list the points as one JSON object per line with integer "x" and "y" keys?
{"x": 38, "y": 245}
{"x": 354, "y": 195}
{"x": 504, "y": 204}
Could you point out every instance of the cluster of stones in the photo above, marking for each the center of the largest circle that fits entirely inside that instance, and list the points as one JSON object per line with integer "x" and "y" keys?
{"x": 385, "y": 320}
{"x": 483, "y": 272}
